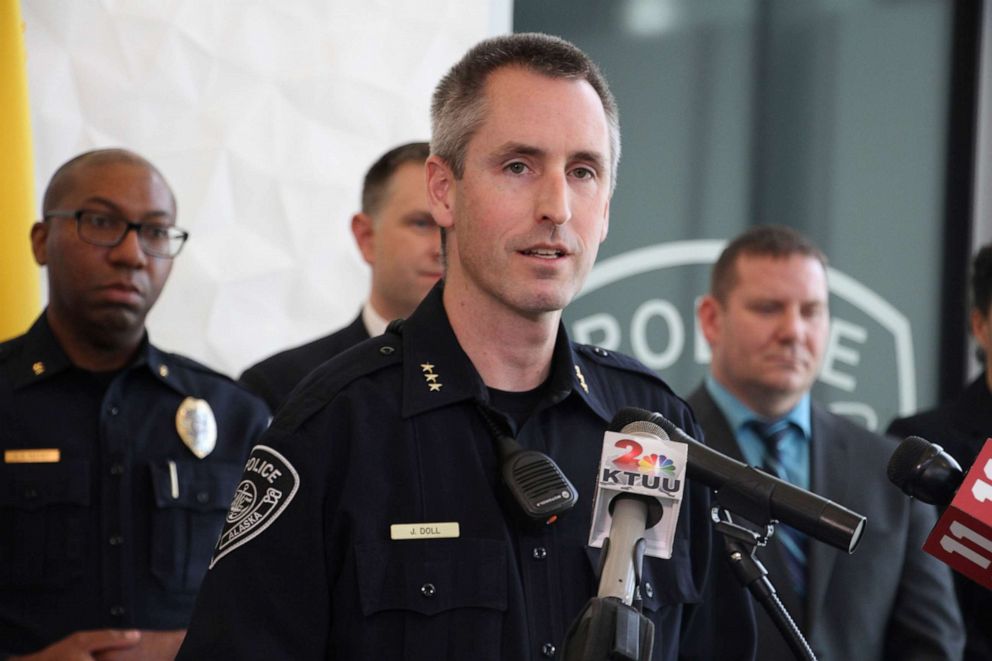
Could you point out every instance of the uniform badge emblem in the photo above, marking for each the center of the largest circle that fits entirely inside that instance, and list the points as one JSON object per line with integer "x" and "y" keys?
{"x": 266, "y": 489}
{"x": 196, "y": 426}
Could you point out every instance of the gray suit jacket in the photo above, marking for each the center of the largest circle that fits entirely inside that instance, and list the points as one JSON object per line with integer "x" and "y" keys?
{"x": 888, "y": 600}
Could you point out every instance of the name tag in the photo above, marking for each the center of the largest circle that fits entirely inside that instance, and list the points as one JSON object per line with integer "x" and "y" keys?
{"x": 423, "y": 530}
{"x": 32, "y": 456}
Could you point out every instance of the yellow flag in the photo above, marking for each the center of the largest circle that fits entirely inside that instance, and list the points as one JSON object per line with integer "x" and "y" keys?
{"x": 20, "y": 301}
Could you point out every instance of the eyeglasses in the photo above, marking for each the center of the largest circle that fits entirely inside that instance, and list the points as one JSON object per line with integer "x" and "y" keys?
{"x": 105, "y": 229}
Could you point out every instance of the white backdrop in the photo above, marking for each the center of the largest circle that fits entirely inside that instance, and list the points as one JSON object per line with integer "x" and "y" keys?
{"x": 264, "y": 117}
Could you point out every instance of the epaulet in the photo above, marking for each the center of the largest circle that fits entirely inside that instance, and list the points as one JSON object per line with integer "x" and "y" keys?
{"x": 324, "y": 383}
{"x": 619, "y": 361}
{"x": 178, "y": 360}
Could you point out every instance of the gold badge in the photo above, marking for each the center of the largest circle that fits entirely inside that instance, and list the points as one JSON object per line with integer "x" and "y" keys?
{"x": 38, "y": 368}
{"x": 196, "y": 426}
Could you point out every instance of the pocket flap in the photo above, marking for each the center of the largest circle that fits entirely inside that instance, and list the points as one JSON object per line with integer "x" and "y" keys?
{"x": 33, "y": 486}
{"x": 194, "y": 485}
{"x": 431, "y": 576}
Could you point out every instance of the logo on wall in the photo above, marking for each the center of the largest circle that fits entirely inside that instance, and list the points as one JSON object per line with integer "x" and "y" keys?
{"x": 642, "y": 302}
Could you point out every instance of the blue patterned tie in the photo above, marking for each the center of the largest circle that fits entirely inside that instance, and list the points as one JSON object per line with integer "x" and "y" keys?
{"x": 792, "y": 542}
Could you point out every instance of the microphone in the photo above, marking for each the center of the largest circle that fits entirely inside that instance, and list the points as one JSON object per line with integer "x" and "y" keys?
{"x": 639, "y": 485}
{"x": 756, "y": 495}
{"x": 635, "y": 509}
{"x": 962, "y": 537}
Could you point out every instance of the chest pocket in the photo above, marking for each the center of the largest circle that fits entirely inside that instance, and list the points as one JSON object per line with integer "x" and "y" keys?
{"x": 191, "y": 498}
{"x": 432, "y": 599}
{"x": 43, "y": 517}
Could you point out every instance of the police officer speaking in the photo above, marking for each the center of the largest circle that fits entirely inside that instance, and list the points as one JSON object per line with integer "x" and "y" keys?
{"x": 119, "y": 459}
{"x": 387, "y": 533}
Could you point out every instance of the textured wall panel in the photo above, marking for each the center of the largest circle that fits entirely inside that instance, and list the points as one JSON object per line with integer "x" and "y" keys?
{"x": 263, "y": 116}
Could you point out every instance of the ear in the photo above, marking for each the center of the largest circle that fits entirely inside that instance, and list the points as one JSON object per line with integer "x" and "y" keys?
{"x": 39, "y": 242}
{"x": 709, "y": 313}
{"x": 440, "y": 190}
{"x": 363, "y": 228}
{"x": 606, "y": 222}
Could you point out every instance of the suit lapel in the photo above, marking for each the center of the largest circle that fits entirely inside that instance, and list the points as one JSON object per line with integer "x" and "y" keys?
{"x": 830, "y": 467}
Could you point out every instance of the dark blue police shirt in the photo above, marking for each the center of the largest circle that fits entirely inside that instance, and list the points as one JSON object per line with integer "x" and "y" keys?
{"x": 109, "y": 535}
{"x": 389, "y": 433}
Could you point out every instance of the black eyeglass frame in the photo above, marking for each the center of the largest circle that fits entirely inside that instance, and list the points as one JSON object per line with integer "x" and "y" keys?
{"x": 174, "y": 232}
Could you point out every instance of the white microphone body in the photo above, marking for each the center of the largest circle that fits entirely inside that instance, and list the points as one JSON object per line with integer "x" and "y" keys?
{"x": 638, "y": 497}
{"x": 619, "y": 577}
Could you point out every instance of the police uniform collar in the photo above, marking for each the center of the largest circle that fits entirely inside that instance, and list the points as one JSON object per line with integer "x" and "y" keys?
{"x": 165, "y": 368}
{"x": 41, "y": 356}
{"x": 437, "y": 372}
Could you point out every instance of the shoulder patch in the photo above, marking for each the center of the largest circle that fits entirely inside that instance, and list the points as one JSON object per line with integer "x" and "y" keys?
{"x": 267, "y": 486}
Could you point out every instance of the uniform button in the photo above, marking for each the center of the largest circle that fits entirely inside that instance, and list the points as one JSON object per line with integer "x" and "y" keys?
{"x": 202, "y": 497}
{"x": 116, "y": 611}
{"x": 115, "y": 540}
{"x": 386, "y": 350}
{"x": 548, "y": 650}
{"x": 539, "y": 553}
{"x": 428, "y": 590}
{"x": 117, "y": 469}
{"x": 648, "y": 590}
{"x": 114, "y": 410}
{"x": 30, "y": 494}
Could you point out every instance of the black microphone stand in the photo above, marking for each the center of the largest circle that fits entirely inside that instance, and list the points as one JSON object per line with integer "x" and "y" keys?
{"x": 740, "y": 545}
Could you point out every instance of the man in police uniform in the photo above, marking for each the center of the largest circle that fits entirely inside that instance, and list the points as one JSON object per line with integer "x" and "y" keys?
{"x": 119, "y": 459}
{"x": 400, "y": 242}
{"x": 371, "y": 522}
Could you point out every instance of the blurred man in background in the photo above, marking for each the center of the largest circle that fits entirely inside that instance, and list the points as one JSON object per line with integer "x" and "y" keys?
{"x": 401, "y": 243}
{"x": 766, "y": 320}
{"x": 961, "y": 427}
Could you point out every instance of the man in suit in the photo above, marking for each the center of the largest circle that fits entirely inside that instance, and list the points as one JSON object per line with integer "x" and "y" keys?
{"x": 961, "y": 427}
{"x": 766, "y": 321}
{"x": 401, "y": 243}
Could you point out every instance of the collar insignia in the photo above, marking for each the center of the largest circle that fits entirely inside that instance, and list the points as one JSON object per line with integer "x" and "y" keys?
{"x": 38, "y": 368}
{"x": 582, "y": 379}
{"x": 430, "y": 377}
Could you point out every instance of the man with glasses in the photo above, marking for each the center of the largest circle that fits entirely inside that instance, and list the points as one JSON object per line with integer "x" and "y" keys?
{"x": 119, "y": 459}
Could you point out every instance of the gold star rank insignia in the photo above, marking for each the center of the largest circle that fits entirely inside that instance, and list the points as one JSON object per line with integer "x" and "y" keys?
{"x": 38, "y": 368}
{"x": 430, "y": 377}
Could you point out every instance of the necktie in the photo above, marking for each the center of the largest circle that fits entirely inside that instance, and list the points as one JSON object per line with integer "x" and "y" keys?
{"x": 792, "y": 542}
